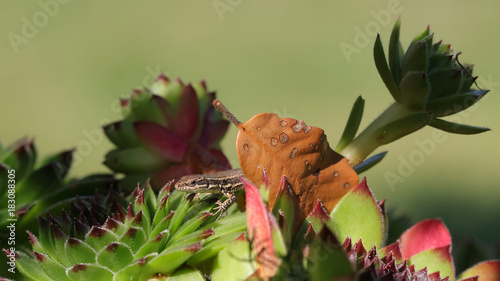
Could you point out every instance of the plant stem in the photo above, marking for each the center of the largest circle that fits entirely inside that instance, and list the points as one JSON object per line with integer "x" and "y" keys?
{"x": 366, "y": 142}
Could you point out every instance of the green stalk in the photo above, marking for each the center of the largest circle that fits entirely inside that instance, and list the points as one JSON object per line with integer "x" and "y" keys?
{"x": 372, "y": 137}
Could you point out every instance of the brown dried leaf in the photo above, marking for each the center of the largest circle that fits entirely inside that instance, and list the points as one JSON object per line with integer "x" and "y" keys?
{"x": 285, "y": 146}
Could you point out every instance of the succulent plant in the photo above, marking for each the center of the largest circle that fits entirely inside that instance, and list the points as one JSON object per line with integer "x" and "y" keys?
{"x": 272, "y": 251}
{"x": 427, "y": 82}
{"x": 30, "y": 189}
{"x": 167, "y": 131}
{"x": 155, "y": 237}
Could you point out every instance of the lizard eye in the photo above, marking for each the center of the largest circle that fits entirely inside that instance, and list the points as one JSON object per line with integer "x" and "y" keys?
{"x": 192, "y": 183}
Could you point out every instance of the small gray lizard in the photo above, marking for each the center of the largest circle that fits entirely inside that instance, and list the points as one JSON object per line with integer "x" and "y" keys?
{"x": 225, "y": 182}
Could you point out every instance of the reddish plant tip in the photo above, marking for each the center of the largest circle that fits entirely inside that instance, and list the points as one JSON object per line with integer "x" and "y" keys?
{"x": 40, "y": 257}
{"x": 130, "y": 212}
{"x": 204, "y": 215}
{"x": 347, "y": 244}
{"x": 203, "y": 83}
{"x": 79, "y": 267}
{"x": 159, "y": 237}
{"x": 207, "y": 233}
{"x": 112, "y": 247}
{"x": 131, "y": 232}
{"x": 140, "y": 198}
{"x": 136, "y": 191}
{"x": 97, "y": 232}
{"x": 142, "y": 261}
{"x": 193, "y": 248}
{"x": 310, "y": 234}
{"x": 58, "y": 233}
{"x": 166, "y": 188}
{"x": 162, "y": 77}
{"x": 319, "y": 211}
{"x": 9, "y": 253}
{"x": 241, "y": 238}
{"x": 73, "y": 242}
{"x": 123, "y": 103}
{"x": 111, "y": 224}
{"x": 163, "y": 201}
{"x": 138, "y": 218}
{"x": 32, "y": 237}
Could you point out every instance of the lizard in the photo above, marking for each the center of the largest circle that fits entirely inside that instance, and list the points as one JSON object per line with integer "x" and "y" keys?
{"x": 225, "y": 182}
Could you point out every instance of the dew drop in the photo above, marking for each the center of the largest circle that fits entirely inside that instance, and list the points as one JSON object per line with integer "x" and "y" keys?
{"x": 347, "y": 185}
{"x": 282, "y": 123}
{"x": 292, "y": 154}
{"x": 245, "y": 147}
{"x": 335, "y": 174}
{"x": 274, "y": 141}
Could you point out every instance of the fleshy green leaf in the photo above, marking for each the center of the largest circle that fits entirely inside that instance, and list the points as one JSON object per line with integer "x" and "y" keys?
{"x": 51, "y": 267}
{"x": 414, "y": 90}
{"x": 352, "y": 125}
{"x": 369, "y": 163}
{"x": 122, "y": 134}
{"x": 236, "y": 260}
{"x": 445, "y": 82}
{"x": 436, "y": 259}
{"x": 169, "y": 260}
{"x": 453, "y": 104}
{"x": 212, "y": 249}
{"x": 415, "y": 59}
{"x": 456, "y": 128}
{"x": 115, "y": 256}
{"x": 89, "y": 272}
{"x": 134, "y": 237}
{"x": 30, "y": 267}
{"x": 78, "y": 251}
{"x": 319, "y": 218}
{"x": 394, "y": 52}
{"x": 402, "y": 127}
{"x": 383, "y": 69}
{"x": 184, "y": 273}
{"x": 99, "y": 237}
{"x": 137, "y": 159}
{"x": 358, "y": 216}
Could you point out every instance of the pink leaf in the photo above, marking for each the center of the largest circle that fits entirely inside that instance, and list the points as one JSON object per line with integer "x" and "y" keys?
{"x": 425, "y": 235}
{"x": 186, "y": 120}
{"x": 259, "y": 230}
{"x": 161, "y": 140}
{"x": 394, "y": 249}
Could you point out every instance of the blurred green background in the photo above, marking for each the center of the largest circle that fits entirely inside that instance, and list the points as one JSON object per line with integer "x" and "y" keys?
{"x": 61, "y": 79}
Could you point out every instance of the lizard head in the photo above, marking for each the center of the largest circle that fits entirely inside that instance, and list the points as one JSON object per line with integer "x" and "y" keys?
{"x": 194, "y": 184}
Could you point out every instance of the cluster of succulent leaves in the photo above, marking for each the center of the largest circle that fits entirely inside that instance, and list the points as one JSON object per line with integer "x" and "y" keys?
{"x": 168, "y": 131}
{"x": 164, "y": 235}
{"x": 427, "y": 82}
{"x": 40, "y": 187}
